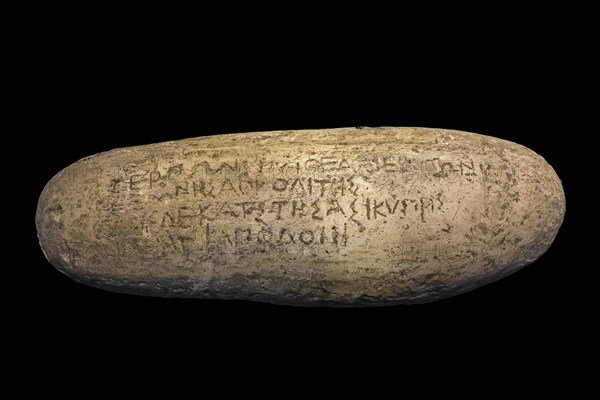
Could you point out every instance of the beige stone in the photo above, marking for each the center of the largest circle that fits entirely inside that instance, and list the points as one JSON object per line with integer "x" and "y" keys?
{"x": 335, "y": 217}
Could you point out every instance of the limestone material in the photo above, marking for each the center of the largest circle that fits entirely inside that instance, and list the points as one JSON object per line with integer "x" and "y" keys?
{"x": 333, "y": 217}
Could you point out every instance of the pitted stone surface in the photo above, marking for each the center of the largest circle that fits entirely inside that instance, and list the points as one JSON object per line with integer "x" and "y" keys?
{"x": 335, "y": 217}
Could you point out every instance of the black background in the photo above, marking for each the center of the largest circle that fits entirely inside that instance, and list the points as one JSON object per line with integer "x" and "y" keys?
{"x": 81, "y": 97}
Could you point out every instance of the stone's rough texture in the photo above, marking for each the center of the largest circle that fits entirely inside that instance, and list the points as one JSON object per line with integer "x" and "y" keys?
{"x": 335, "y": 217}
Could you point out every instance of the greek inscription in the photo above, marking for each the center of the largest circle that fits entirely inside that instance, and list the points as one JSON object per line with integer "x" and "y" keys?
{"x": 325, "y": 176}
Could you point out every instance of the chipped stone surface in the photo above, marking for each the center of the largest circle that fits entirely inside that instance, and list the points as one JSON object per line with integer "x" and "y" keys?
{"x": 335, "y": 217}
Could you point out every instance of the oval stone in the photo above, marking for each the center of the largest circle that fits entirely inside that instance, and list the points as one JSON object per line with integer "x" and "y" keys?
{"x": 334, "y": 217}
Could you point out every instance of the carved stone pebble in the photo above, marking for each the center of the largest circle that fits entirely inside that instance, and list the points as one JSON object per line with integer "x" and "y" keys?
{"x": 331, "y": 217}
